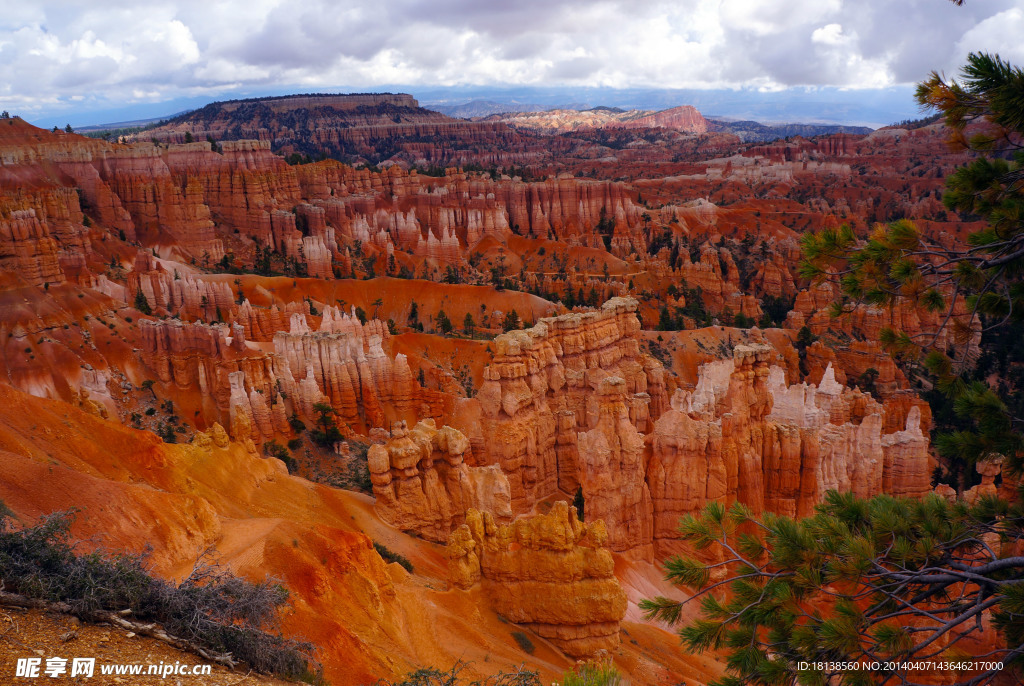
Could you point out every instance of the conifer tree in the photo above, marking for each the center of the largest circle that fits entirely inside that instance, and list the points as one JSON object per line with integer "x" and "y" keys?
{"x": 984, "y": 112}
{"x": 860, "y": 588}
{"x": 854, "y": 592}
{"x": 141, "y": 303}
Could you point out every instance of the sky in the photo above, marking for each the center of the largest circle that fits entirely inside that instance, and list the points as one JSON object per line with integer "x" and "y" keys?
{"x": 83, "y": 61}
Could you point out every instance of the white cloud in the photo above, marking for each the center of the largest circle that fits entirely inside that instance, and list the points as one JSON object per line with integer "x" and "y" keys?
{"x": 772, "y": 18}
{"x": 830, "y": 34}
{"x": 1002, "y": 33}
{"x": 53, "y": 52}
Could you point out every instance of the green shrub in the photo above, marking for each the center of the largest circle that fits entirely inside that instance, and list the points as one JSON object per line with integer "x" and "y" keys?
{"x": 391, "y": 556}
{"x": 524, "y": 642}
{"x": 166, "y": 432}
{"x": 593, "y": 674}
{"x": 431, "y": 676}
{"x": 275, "y": 449}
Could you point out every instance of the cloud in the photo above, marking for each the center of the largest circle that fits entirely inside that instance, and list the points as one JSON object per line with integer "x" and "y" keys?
{"x": 77, "y": 52}
{"x": 1001, "y": 34}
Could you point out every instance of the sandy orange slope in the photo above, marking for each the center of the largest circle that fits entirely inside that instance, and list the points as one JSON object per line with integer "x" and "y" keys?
{"x": 367, "y": 618}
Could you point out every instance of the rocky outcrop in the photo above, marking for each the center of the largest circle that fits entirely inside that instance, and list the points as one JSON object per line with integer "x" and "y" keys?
{"x": 611, "y": 457}
{"x": 424, "y": 486}
{"x": 28, "y": 249}
{"x": 178, "y": 292}
{"x": 906, "y": 470}
{"x": 345, "y": 363}
{"x": 261, "y": 323}
{"x": 550, "y": 572}
{"x": 988, "y": 468}
{"x": 542, "y": 388}
{"x": 744, "y": 435}
{"x": 215, "y": 362}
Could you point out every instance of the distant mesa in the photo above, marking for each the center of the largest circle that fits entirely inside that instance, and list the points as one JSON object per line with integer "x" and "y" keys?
{"x": 371, "y": 127}
{"x": 684, "y": 118}
{"x": 345, "y": 102}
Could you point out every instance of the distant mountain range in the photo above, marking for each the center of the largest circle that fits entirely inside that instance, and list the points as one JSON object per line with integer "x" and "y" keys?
{"x": 375, "y": 127}
{"x": 867, "y": 107}
{"x": 684, "y": 118}
{"x": 483, "y": 108}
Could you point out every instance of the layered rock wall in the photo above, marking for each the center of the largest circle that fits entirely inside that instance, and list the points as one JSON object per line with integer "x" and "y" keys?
{"x": 745, "y": 436}
{"x": 203, "y": 206}
{"x": 542, "y": 389}
{"x": 551, "y": 572}
{"x": 254, "y": 391}
{"x": 345, "y": 363}
{"x": 423, "y": 485}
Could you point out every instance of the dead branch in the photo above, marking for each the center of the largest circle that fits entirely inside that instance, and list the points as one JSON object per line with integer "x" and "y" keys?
{"x": 118, "y": 619}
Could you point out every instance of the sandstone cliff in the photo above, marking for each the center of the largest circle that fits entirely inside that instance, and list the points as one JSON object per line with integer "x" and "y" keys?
{"x": 744, "y": 435}
{"x": 542, "y": 388}
{"x": 571, "y": 404}
{"x": 423, "y": 485}
{"x": 551, "y": 572}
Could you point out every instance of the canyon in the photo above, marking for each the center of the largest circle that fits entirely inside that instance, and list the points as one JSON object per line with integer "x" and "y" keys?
{"x": 517, "y": 373}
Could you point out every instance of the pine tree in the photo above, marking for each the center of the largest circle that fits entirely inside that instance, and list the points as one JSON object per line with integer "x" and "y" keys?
{"x": 898, "y": 263}
{"x": 665, "y": 321}
{"x": 511, "y": 321}
{"x": 861, "y": 582}
{"x": 887, "y": 580}
{"x": 414, "y": 317}
{"x": 141, "y": 303}
{"x": 443, "y": 323}
{"x": 327, "y": 432}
